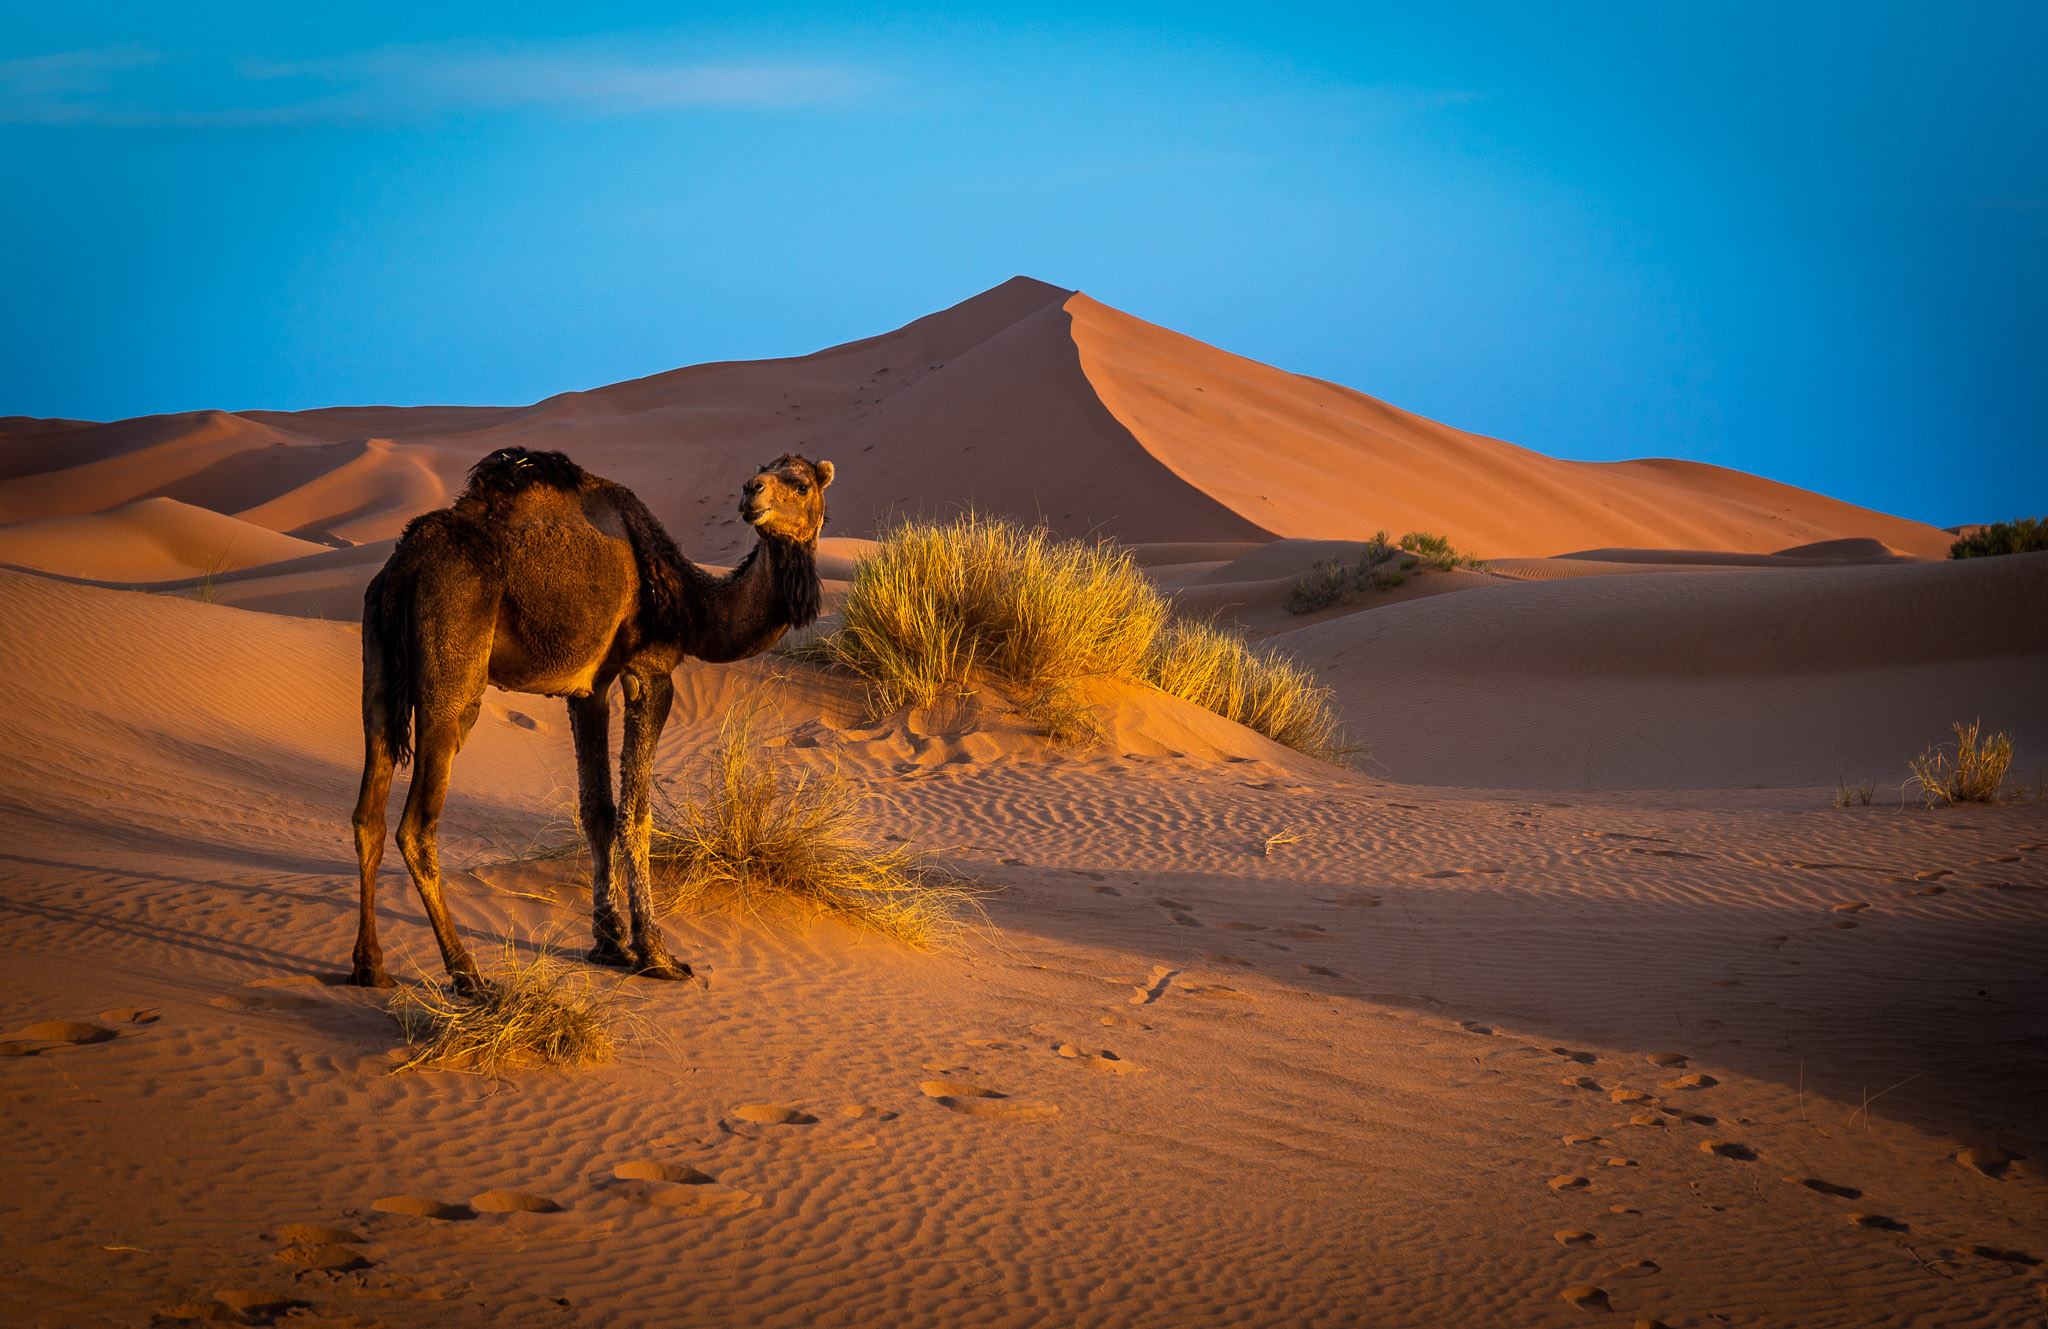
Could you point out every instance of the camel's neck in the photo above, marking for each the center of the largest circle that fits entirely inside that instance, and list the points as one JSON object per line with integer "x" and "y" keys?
{"x": 775, "y": 588}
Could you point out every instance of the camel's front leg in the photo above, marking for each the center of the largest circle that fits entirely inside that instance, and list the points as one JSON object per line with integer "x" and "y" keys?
{"x": 590, "y": 726}
{"x": 649, "y": 694}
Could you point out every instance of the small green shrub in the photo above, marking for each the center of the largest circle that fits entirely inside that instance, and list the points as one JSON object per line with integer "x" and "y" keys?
{"x": 1972, "y": 773}
{"x": 1328, "y": 582}
{"x": 1438, "y": 550}
{"x": 2026, "y": 535}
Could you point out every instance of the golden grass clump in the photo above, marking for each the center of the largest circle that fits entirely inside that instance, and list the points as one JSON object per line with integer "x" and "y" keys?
{"x": 1261, "y": 690}
{"x": 1972, "y": 773}
{"x": 940, "y": 603}
{"x": 758, "y": 839}
{"x": 533, "y": 1010}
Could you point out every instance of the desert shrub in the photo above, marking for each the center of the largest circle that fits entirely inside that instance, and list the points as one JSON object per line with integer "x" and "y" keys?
{"x": 1326, "y": 583}
{"x": 1262, "y": 690}
{"x": 532, "y": 1009}
{"x": 755, "y": 837}
{"x": 1971, "y": 772}
{"x": 938, "y": 604}
{"x": 1853, "y": 793}
{"x": 2026, "y": 535}
{"x": 1438, "y": 550}
{"x": 1377, "y": 550}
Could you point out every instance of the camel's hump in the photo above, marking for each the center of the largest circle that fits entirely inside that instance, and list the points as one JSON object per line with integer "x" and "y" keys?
{"x": 510, "y": 470}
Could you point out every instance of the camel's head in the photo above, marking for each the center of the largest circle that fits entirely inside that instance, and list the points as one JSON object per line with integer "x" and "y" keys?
{"x": 786, "y": 498}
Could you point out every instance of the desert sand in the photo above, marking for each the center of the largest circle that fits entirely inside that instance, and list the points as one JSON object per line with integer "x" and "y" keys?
{"x": 1571, "y": 999}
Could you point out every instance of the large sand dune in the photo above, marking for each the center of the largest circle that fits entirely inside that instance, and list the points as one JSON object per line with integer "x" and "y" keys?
{"x": 1028, "y": 400}
{"x": 1574, "y": 1000}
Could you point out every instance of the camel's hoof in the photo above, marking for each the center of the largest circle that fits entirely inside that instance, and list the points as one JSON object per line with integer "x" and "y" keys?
{"x": 469, "y": 984}
{"x": 609, "y": 953}
{"x": 371, "y": 978}
{"x": 665, "y": 967}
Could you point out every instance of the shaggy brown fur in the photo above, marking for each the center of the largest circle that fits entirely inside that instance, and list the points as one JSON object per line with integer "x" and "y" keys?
{"x": 543, "y": 578}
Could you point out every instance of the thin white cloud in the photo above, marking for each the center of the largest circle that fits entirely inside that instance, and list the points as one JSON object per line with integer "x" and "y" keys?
{"x": 130, "y": 87}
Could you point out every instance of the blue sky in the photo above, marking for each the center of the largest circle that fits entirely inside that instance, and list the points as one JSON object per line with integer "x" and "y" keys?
{"x": 1806, "y": 241}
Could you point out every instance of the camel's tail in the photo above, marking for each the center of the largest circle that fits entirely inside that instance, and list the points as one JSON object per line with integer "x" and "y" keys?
{"x": 387, "y": 649}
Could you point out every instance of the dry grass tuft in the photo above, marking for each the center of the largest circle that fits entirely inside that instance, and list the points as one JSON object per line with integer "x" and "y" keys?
{"x": 942, "y": 603}
{"x": 1262, "y": 690}
{"x": 757, "y": 839}
{"x": 1970, "y": 773}
{"x": 534, "y": 1010}
{"x": 1853, "y": 793}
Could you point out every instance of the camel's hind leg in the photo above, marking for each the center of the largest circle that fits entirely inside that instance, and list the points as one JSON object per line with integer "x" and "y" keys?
{"x": 590, "y": 726}
{"x": 368, "y": 969}
{"x": 649, "y": 694}
{"x": 418, "y": 834}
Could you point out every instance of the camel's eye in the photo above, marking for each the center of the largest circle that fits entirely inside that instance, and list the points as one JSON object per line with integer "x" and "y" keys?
{"x": 802, "y": 487}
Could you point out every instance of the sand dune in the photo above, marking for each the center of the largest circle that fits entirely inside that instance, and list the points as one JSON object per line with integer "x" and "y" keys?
{"x": 1027, "y": 399}
{"x": 148, "y": 539}
{"x": 1690, "y": 680}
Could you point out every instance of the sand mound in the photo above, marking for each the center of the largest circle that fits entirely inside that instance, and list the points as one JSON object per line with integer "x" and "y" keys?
{"x": 150, "y": 539}
{"x": 1690, "y": 680}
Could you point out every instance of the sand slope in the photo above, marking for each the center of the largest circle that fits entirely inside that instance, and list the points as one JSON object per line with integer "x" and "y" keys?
{"x": 1026, "y": 399}
{"x": 1691, "y": 680}
{"x": 1241, "y": 1015}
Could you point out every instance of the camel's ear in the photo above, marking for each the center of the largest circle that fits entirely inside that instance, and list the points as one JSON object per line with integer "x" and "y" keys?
{"x": 824, "y": 470}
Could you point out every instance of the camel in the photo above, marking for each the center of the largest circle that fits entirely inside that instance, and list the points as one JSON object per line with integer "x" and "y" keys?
{"x": 542, "y": 578}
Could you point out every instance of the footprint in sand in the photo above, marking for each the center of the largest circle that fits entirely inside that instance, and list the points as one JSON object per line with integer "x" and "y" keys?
{"x": 1585, "y": 1298}
{"x": 1583, "y": 1137}
{"x": 1321, "y": 971}
{"x": 791, "y": 1126}
{"x": 76, "y": 1033}
{"x": 1583, "y": 1058}
{"x": 978, "y": 1101}
{"x": 1102, "y": 1059}
{"x": 1469, "y": 1026}
{"x": 1107, "y": 890}
{"x": 1879, "y": 1222}
{"x": 1155, "y": 987}
{"x": 513, "y": 1202}
{"x": 318, "y": 1234}
{"x": 1989, "y": 1160}
{"x": 1672, "y": 1059}
{"x": 133, "y": 1015}
{"x": 994, "y": 1045}
{"x": 251, "y": 1306}
{"x": 678, "y": 1189}
{"x": 1581, "y": 1082}
{"x": 421, "y": 1206}
{"x": 322, "y": 1257}
{"x": 1693, "y": 1081}
{"x": 1575, "y": 1237}
{"x": 1630, "y": 1096}
{"x": 1569, "y": 1182}
{"x": 2005, "y": 1256}
{"x": 1827, "y": 1188}
{"x": 1728, "y": 1149}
